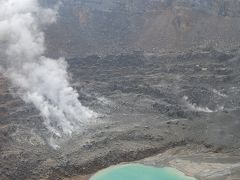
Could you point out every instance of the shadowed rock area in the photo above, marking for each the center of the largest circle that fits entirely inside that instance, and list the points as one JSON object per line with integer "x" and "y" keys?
{"x": 114, "y": 26}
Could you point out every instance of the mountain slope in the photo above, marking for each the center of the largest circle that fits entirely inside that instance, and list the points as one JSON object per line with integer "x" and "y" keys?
{"x": 106, "y": 27}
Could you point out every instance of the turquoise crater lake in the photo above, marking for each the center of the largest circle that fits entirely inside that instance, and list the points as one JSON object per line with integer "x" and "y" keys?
{"x": 139, "y": 172}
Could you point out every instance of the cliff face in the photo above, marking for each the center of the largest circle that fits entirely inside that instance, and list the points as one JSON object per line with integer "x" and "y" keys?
{"x": 111, "y": 26}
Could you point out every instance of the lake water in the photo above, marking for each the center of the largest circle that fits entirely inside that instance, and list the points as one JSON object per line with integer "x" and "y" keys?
{"x": 140, "y": 172}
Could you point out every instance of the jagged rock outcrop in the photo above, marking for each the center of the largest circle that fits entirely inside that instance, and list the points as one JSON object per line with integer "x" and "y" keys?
{"x": 110, "y": 26}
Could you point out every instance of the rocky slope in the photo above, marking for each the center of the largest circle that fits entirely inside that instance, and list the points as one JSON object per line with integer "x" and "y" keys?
{"x": 147, "y": 104}
{"x": 110, "y": 26}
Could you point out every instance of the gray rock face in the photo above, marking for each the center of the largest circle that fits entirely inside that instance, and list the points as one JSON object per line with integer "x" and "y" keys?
{"x": 112, "y": 26}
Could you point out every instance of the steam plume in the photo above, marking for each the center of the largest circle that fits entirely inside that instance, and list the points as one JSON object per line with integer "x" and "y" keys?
{"x": 41, "y": 81}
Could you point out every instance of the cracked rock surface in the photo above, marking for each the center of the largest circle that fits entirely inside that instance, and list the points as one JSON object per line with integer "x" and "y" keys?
{"x": 175, "y": 109}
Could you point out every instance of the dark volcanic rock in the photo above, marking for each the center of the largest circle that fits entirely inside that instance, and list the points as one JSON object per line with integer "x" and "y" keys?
{"x": 147, "y": 104}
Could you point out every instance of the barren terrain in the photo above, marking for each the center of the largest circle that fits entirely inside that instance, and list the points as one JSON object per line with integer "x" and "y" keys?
{"x": 184, "y": 105}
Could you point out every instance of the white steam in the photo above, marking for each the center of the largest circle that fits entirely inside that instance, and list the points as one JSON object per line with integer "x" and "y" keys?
{"x": 41, "y": 81}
